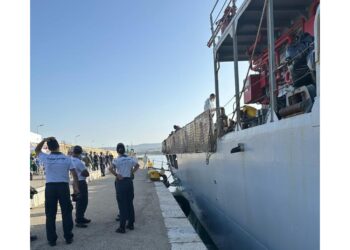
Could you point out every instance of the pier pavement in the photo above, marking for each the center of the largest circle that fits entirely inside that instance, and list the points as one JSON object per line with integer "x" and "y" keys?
{"x": 152, "y": 229}
{"x": 37, "y": 181}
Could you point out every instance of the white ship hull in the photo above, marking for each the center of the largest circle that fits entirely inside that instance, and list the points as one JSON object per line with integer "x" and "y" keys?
{"x": 266, "y": 197}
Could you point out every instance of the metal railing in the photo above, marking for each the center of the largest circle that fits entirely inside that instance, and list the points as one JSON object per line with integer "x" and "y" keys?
{"x": 196, "y": 137}
{"x": 217, "y": 24}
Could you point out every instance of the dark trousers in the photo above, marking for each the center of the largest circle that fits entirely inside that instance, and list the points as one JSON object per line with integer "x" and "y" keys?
{"x": 116, "y": 197}
{"x": 125, "y": 197}
{"x": 82, "y": 203}
{"x": 95, "y": 166}
{"x": 102, "y": 167}
{"x": 58, "y": 191}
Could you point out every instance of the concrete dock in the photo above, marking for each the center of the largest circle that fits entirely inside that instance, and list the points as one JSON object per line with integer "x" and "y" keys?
{"x": 160, "y": 222}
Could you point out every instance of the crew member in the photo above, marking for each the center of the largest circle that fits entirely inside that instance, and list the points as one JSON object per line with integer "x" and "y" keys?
{"x": 123, "y": 168}
{"x": 210, "y": 103}
{"x": 57, "y": 167}
{"x": 82, "y": 201}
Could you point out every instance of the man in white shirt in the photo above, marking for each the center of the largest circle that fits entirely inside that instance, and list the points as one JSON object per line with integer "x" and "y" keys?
{"x": 57, "y": 168}
{"x": 210, "y": 103}
{"x": 82, "y": 201}
{"x": 123, "y": 168}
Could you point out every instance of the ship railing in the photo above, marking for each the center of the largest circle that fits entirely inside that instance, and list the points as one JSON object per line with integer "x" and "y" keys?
{"x": 229, "y": 9}
{"x": 197, "y": 136}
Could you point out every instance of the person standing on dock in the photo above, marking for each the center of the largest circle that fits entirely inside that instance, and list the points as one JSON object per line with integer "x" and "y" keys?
{"x": 110, "y": 159}
{"x": 95, "y": 159}
{"x": 210, "y": 103}
{"x": 102, "y": 160}
{"x": 91, "y": 158}
{"x": 107, "y": 160}
{"x": 123, "y": 168}
{"x": 82, "y": 201}
{"x": 86, "y": 159}
{"x": 57, "y": 168}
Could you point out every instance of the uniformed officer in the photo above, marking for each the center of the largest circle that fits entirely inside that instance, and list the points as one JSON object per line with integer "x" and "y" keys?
{"x": 57, "y": 167}
{"x": 123, "y": 168}
{"x": 82, "y": 202}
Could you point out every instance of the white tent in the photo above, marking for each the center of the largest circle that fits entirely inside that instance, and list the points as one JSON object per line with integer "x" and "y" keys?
{"x": 35, "y": 138}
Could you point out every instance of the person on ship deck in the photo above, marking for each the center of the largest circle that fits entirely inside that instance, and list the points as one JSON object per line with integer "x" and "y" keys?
{"x": 210, "y": 103}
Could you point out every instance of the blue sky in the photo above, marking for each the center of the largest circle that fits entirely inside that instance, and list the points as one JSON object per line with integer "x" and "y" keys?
{"x": 120, "y": 71}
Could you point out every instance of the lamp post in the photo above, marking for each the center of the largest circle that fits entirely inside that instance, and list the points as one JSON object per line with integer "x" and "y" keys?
{"x": 37, "y": 128}
{"x": 75, "y": 139}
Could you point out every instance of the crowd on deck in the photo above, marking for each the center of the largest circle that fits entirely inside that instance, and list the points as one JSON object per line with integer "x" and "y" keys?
{"x": 79, "y": 164}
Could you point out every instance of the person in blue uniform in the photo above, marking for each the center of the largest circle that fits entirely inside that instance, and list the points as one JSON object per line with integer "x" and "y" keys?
{"x": 57, "y": 168}
{"x": 82, "y": 201}
{"x": 123, "y": 168}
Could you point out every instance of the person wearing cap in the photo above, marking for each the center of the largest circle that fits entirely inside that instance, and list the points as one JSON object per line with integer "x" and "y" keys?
{"x": 57, "y": 168}
{"x": 82, "y": 201}
{"x": 123, "y": 168}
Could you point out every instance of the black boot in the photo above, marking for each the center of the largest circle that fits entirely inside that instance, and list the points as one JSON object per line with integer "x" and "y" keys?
{"x": 120, "y": 230}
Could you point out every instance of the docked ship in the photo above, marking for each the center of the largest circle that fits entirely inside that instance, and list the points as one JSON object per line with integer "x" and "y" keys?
{"x": 252, "y": 178}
